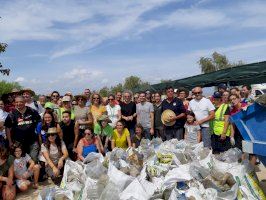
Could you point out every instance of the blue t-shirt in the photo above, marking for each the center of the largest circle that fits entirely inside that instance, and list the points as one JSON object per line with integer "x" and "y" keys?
{"x": 41, "y": 132}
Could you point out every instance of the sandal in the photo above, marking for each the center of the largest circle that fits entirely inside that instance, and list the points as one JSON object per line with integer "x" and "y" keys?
{"x": 35, "y": 185}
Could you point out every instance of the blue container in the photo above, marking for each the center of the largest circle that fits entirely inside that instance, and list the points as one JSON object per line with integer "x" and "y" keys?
{"x": 252, "y": 126}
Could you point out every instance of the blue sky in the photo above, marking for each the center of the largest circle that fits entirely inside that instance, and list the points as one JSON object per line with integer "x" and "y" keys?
{"x": 71, "y": 45}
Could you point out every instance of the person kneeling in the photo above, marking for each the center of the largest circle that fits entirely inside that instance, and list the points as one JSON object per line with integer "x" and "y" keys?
{"x": 89, "y": 143}
{"x": 55, "y": 152}
{"x": 22, "y": 173}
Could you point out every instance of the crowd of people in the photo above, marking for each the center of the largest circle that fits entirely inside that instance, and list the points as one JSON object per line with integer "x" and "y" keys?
{"x": 38, "y": 135}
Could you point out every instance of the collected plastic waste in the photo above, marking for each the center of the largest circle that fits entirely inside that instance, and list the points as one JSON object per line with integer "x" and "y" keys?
{"x": 158, "y": 170}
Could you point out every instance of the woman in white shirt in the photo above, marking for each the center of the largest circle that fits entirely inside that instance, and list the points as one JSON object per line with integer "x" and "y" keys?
{"x": 113, "y": 110}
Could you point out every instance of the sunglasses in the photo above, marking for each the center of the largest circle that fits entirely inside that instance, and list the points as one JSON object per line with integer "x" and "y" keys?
{"x": 52, "y": 134}
{"x": 55, "y": 96}
{"x": 233, "y": 99}
{"x": 96, "y": 98}
{"x": 197, "y": 92}
{"x": 111, "y": 99}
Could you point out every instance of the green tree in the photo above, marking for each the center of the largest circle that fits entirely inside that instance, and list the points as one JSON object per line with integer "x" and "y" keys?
{"x": 216, "y": 62}
{"x": 3, "y": 47}
{"x": 117, "y": 88}
{"x": 104, "y": 91}
{"x": 134, "y": 82}
{"x": 6, "y": 87}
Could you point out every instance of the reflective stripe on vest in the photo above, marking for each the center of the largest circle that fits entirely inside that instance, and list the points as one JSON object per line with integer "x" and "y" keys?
{"x": 218, "y": 123}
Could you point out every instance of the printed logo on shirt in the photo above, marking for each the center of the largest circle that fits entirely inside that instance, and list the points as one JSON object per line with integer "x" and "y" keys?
{"x": 22, "y": 122}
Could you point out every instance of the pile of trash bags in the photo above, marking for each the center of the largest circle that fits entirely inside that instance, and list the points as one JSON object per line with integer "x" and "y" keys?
{"x": 158, "y": 170}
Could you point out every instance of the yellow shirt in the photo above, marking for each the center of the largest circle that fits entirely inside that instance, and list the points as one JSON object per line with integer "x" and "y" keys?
{"x": 97, "y": 112}
{"x": 121, "y": 141}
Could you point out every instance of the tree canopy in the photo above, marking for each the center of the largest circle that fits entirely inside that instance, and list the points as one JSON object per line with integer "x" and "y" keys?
{"x": 216, "y": 62}
{"x": 131, "y": 83}
{"x": 6, "y": 87}
{"x": 3, "y": 47}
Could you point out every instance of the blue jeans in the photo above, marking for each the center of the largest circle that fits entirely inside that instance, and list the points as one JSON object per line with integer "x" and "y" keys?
{"x": 174, "y": 133}
{"x": 147, "y": 134}
{"x": 132, "y": 132}
{"x": 206, "y": 136}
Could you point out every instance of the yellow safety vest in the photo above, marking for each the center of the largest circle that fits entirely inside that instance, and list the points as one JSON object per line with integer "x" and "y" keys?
{"x": 218, "y": 122}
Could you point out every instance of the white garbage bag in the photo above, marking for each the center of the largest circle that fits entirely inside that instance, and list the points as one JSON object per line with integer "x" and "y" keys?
{"x": 95, "y": 169}
{"x": 180, "y": 173}
{"x": 119, "y": 178}
{"x": 74, "y": 178}
{"x": 111, "y": 192}
{"x": 63, "y": 194}
{"x": 134, "y": 191}
{"x": 90, "y": 189}
{"x": 93, "y": 156}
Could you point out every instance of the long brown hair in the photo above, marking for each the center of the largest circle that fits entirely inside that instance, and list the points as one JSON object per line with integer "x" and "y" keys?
{"x": 53, "y": 122}
{"x": 58, "y": 143}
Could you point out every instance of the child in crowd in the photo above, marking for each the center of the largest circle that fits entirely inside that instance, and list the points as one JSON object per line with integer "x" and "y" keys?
{"x": 7, "y": 189}
{"x": 192, "y": 130}
{"x": 138, "y": 136}
{"x": 22, "y": 173}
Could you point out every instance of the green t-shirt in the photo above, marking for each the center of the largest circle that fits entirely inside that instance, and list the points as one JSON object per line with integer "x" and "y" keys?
{"x": 5, "y": 167}
{"x": 107, "y": 131}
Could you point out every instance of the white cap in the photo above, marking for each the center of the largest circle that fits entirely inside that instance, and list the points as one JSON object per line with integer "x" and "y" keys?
{"x": 66, "y": 98}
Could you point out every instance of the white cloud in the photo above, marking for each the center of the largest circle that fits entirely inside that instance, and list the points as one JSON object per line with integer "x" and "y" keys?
{"x": 20, "y": 79}
{"x": 81, "y": 74}
{"x": 78, "y": 26}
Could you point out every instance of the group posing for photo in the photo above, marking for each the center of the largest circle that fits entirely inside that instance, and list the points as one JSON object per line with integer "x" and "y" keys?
{"x": 37, "y": 136}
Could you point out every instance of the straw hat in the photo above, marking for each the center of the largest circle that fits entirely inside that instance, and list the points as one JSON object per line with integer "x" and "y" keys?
{"x": 166, "y": 117}
{"x": 27, "y": 90}
{"x": 81, "y": 96}
{"x": 14, "y": 91}
{"x": 104, "y": 118}
{"x": 52, "y": 130}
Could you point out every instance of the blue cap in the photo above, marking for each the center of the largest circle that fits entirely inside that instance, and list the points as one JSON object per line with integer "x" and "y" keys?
{"x": 217, "y": 95}
{"x": 222, "y": 85}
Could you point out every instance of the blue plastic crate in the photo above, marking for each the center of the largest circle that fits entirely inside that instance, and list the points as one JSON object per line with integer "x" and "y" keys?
{"x": 252, "y": 126}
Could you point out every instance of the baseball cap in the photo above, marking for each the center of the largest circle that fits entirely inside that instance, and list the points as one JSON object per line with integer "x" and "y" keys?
{"x": 66, "y": 98}
{"x": 217, "y": 95}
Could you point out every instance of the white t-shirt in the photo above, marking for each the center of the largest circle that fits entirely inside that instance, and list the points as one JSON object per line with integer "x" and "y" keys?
{"x": 20, "y": 165}
{"x": 112, "y": 113}
{"x": 40, "y": 109}
{"x": 3, "y": 115}
{"x": 201, "y": 109}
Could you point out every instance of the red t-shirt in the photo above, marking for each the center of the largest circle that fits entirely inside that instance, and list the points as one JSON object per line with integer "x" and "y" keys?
{"x": 235, "y": 110}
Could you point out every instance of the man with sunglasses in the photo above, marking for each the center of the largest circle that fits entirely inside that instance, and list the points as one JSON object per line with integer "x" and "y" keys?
{"x": 128, "y": 110}
{"x": 204, "y": 113}
{"x": 54, "y": 100}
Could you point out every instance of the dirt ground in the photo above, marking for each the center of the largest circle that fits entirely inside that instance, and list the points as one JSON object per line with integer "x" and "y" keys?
{"x": 33, "y": 194}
